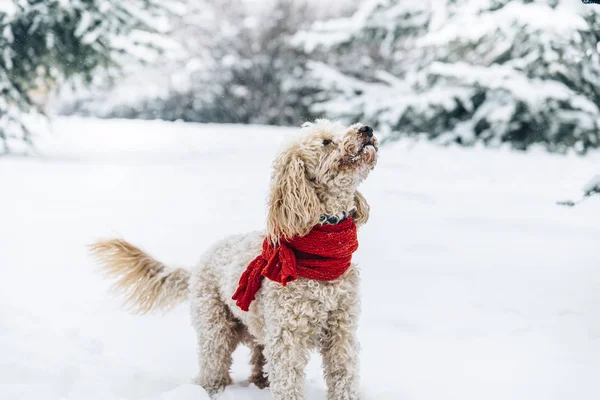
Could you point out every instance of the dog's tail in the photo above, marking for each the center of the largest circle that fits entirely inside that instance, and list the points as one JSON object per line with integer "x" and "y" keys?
{"x": 146, "y": 283}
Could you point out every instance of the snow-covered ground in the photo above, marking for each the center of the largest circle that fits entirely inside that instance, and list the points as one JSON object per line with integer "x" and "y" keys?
{"x": 475, "y": 284}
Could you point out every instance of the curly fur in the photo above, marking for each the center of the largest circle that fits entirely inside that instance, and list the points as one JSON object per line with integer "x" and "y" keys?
{"x": 145, "y": 282}
{"x": 316, "y": 175}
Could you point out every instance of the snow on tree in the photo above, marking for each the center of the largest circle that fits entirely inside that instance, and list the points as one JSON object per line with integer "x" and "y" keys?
{"x": 466, "y": 71}
{"x": 149, "y": 89}
{"x": 237, "y": 67}
{"x": 255, "y": 74}
{"x": 592, "y": 187}
{"x": 589, "y": 189}
{"x": 44, "y": 42}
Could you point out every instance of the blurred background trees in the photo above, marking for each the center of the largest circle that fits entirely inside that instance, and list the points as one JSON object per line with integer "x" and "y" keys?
{"x": 45, "y": 42}
{"x": 236, "y": 64}
{"x": 496, "y": 72}
{"x": 466, "y": 71}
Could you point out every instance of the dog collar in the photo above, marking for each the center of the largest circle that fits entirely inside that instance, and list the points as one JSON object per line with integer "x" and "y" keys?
{"x": 333, "y": 219}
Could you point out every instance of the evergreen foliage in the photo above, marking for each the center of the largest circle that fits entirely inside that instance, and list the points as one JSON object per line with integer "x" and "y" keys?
{"x": 44, "y": 42}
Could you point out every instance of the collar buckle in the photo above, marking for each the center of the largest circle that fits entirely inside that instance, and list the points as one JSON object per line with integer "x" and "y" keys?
{"x": 333, "y": 219}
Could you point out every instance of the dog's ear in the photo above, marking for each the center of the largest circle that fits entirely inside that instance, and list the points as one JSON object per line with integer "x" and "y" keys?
{"x": 361, "y": 211}
{"x": 293, "y": 203}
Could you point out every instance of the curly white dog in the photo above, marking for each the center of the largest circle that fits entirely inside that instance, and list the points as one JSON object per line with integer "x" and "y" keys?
{"x": 314, "y": 183}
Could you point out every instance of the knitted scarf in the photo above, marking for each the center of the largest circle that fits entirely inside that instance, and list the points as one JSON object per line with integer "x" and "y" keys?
{"x": 323, "y": 254}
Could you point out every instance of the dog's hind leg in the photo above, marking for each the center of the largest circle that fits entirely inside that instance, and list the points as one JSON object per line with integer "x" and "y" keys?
{"x": 218, "y": 333}
{"x": 257, "y": 360}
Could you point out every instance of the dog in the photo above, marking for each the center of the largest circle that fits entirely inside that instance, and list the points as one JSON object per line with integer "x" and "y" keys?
{"x": 314, "y": 183}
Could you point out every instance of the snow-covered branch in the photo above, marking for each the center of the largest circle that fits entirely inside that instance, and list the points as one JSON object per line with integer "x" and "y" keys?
{"x": 44, "y": 42}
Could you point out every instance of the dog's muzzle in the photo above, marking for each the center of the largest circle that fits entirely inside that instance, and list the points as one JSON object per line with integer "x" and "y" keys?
{"x": 366, "y": 133}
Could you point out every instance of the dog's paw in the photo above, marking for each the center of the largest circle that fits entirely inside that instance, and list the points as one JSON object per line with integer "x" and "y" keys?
{"x": 259, "y": 380}
{"x": 213, "y": 387}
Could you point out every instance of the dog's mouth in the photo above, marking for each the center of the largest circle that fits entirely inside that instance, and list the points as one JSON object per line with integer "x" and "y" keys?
{"x": 367, "y": 153}
{"x": 368, "y": 145}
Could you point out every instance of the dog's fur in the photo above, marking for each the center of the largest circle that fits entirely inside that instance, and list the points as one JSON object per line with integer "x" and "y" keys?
{"x": 311, "y": 178}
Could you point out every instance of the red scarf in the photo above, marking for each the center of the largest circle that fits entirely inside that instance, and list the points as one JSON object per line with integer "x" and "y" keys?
{"x": 323, "y": 254}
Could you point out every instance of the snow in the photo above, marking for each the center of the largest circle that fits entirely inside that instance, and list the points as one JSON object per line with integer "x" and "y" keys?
{"x": 338, "y": 31}
{"x": 474, "y": 283}
{"x": 535, "y": 17}
{"x": 446, "y": 64}
{"x": 593, "y": 185}
{"x": 7, "y": 7}
{"x": 535, "y": 92}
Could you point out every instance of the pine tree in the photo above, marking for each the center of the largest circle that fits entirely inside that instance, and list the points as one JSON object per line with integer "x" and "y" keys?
{"x": 237, "y": 66}
{"x": 466, "y": 71}
{"x": 45, "y": 42}
{"x": 255, "y": 73}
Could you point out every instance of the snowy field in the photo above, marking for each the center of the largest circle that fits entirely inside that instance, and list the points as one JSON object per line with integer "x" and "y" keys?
{"x": 475, "y": 284}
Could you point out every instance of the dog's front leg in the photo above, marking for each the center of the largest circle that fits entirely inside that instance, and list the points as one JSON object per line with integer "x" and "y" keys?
{"x": 286, "y": 351}
{"x": 339, "y": 348}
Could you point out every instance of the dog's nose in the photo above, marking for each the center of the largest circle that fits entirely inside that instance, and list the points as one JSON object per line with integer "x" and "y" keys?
{"x": 366, "y": 131}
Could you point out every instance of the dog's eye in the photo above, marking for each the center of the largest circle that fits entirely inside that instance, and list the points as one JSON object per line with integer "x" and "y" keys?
{"x": 326, "y": 142}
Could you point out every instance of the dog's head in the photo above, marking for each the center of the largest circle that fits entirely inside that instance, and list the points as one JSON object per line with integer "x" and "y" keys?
{"x": 318, "y": 175}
